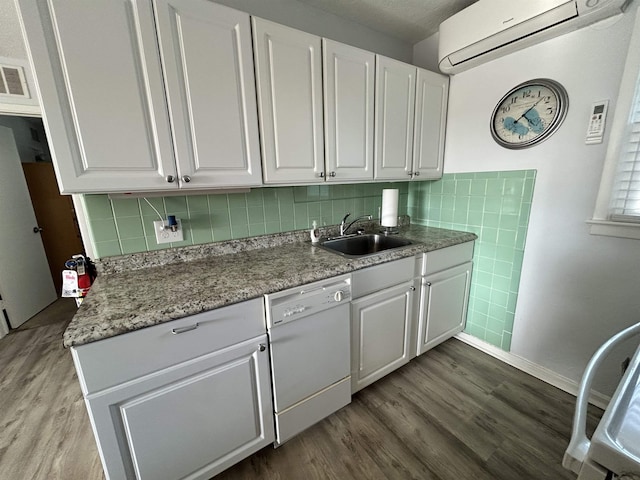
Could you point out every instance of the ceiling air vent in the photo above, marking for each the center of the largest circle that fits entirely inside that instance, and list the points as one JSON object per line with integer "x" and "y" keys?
{"x": 13, "y": 82}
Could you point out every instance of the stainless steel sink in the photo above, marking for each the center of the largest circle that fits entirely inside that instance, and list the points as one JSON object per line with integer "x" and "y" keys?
{"x": 362, "y": 245}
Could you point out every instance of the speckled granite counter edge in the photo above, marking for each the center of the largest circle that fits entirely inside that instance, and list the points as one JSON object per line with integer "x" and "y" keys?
{"x": 97, "y": 319}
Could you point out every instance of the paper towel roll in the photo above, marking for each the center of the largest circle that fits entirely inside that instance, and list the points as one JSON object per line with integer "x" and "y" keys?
{"x": 389, "y": 215}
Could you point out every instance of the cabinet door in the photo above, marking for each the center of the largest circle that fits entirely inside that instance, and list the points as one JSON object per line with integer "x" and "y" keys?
{"x": 349, "y": 75}
{"x": 289, "y": 79}
{"x": 189, "y": 421}
{"x": 443, "y": 306}
{"x": 380, "y": 334}
{"x": 100, "y": 84}
{"x": 208, "y": 69}
{"x": 432, "y": 94}
{"x": 394, "y": 117}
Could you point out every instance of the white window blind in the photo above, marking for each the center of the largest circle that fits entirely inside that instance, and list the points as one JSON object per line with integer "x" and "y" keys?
{"x": 625, "y": 195}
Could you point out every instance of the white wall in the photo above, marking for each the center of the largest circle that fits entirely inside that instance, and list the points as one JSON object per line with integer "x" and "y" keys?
{"x": 313, "y": 20}
{"x": 11, "y": 43}
{"x": 425, "y": 53}
{"x": 576, "y": 289}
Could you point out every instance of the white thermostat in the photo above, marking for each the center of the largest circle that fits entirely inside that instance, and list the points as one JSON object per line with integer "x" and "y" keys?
{"x": 597, "y": 120}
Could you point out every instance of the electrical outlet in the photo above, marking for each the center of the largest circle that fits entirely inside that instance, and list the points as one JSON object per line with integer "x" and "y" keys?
{"x": 166, "y": 235}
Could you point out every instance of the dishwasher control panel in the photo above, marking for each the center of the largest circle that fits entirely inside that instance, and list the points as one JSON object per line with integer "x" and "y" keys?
{"x": 298, "y": 302}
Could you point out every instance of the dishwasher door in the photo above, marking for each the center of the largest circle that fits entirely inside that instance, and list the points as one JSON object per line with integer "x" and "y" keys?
{"x": 310, "y": 369}
{"x": 309, "y": 354}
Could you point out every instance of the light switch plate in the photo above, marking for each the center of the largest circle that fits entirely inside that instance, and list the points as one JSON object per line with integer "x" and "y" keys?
{"x": 166, "y": 235}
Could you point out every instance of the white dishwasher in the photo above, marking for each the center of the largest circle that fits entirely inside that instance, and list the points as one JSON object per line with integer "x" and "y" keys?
{"x": 310, "y": 347}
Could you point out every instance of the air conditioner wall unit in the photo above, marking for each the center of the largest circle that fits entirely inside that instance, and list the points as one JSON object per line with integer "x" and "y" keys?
{"x": 491, "y": 28}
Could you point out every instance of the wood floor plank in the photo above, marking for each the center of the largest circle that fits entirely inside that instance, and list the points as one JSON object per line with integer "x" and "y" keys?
{"x": 453, "y": 413}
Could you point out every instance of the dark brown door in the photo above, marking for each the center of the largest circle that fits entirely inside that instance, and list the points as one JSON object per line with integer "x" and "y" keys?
{"x": 56, "y": 216}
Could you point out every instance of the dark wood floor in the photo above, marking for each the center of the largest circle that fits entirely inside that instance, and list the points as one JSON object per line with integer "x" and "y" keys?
{"x": 451, "y": 414}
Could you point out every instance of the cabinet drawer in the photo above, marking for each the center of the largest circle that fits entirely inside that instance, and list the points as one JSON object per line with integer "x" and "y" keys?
{"x": 448, "y": 257}
{"x": 118, "y": 359}
{"x": 372, "y": 279}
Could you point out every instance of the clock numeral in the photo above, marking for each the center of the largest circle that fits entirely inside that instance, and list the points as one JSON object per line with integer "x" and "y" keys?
{"x": 505, "y": 109}
{"x": 514, "y": 100}
{"x": 526, "y": 94}
{"x": 549, "y": 110}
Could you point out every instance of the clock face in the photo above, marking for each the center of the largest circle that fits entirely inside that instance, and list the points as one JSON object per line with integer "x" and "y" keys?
{"x": 529, "y": 113}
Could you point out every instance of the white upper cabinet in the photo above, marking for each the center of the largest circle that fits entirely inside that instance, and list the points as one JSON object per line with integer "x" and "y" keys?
{"x": 288, "y": 66}
{"x": 100, "y": 85}
{"x": 395, "y": 104}
{"x": 411, "y": 114}
{"x": 103, "y": 84}
{"x": 432, "y": 94}
{"x": 349, "y": 76}
{"x": 208, "y": 69}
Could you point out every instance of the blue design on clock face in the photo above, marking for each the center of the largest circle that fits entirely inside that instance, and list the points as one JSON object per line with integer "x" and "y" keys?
{"x": 535, "y": 122}
{"x": 514, "y": 126}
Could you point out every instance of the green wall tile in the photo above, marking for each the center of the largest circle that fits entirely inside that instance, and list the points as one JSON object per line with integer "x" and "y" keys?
{"x": 239, "y": 217}
{"x": 494, "y": 339}
{"x": 256, "y": 214}
{"x": 197, "y": 203}
{"x": 98, "y": 206}
{"x": 237, "y": 201}
{"x": 498, "y": 211}
{"x": 129, "y": 227}
{"x": 103, "y": 230}
{"x": 126, "y": 207}
{"x": 107, "y": 248}
{"x": 133, "y": 245}
{"x": 218, "y": 202}
{"x": 175, "y": 205}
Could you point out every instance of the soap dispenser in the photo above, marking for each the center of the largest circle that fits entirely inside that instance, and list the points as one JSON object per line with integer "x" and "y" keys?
{"x": 315, "y": 233}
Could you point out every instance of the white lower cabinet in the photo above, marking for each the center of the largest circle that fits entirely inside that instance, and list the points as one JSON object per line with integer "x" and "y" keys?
{"x": 381, "y": 321}
{"x": 189, "y": 420}
{"x": 444, "y": 294}
{"x": 390, "y": 325}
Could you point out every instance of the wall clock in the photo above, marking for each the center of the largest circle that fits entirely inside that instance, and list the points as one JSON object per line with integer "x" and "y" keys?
{"x": 529, "y": 113}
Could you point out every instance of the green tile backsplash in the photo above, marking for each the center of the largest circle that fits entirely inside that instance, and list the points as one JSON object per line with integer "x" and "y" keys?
{"x": 125, "y": 225}
{"x": 496, "y": 207}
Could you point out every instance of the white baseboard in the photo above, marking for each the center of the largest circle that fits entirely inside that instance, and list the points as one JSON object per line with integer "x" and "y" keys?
{"x": 549, "y": 376}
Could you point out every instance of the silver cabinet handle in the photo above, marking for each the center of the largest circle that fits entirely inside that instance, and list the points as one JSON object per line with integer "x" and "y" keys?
{"x": 332, "y": 174}
{"x": 412, "y": 289}
{"x": 321, "y": 174}
{"x": 170, "y": 179}
{"x": 416, "y": 174}
{"x": 179, "y": 330}
{"x": 410, "y": 174}
{"x": 186, "y": 178}
{"x": 37, "y": 229}
{"x": 262, "y": 347}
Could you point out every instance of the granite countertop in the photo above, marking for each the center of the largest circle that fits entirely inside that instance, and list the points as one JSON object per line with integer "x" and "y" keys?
{"x": 128, "y": 295}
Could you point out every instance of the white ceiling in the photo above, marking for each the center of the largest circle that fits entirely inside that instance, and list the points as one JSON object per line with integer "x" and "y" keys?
{"x": 408, "y": 20}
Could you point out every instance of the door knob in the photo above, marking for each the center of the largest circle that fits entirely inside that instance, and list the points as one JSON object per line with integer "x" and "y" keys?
{"x": 37, "y": 229}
